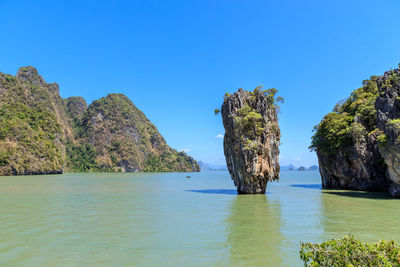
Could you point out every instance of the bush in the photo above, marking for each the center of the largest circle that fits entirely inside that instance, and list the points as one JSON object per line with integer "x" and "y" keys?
{"x": 333, "y": 133}
{"x": 340, "y": 128}
{"x": 349, "y": 251}
{"x": 250, "y": 122}
{"x": 81, "y": 157}
{"x": 395, "y": 123}
{"x": 382, "y": 140}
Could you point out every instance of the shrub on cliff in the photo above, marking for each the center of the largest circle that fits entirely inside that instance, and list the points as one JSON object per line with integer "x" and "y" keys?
{"x": 351, "y": 118}
{"x": 250, "y": 122}
{"x": 349, "y": 251}
{"x": 81, "y": 157}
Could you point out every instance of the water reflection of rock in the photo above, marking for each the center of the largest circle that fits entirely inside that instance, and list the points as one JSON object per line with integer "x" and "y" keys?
{"x": 254, "y": 236}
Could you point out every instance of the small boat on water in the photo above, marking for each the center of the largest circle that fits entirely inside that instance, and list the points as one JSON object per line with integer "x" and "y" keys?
{"x": 188, "y": 176}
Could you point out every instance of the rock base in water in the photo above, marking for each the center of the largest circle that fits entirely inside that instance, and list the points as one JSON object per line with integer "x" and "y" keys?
{"x": 358, "y": 144}
{"x": 251, "y": 141}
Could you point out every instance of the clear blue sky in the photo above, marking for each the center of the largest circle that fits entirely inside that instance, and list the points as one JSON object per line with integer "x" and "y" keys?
{"x": 176, "y": 59}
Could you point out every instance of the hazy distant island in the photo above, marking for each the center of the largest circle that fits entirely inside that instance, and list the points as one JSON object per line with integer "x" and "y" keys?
{"x": 42, "y": 133}
{"x": 211, "y": 167}
{"x": 358, "y": 143}
{"x": 291, "y": 167}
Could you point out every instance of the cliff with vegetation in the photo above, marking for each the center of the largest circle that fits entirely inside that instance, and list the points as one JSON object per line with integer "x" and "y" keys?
{"x": 251, "y": 141}
{"x": 388, "y": 123}
{"x": 126, "y": 140}
{"x": 41, "y": 133}
{"x": 357, "y": 143}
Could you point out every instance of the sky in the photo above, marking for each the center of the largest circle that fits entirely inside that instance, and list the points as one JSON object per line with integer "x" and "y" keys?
{"x": 176, "y": 59}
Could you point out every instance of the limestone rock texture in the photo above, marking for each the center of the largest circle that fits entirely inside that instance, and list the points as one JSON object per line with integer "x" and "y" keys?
{"x": 252, "y": 138}
{"x": 359, "y": 167}
{"x": 34, "y": 126}
{"x": 126, "y": 140}
{"x": 75, "y": 107}
{"x": 358, "y": 144}
{"x": 42, "y": 133}
{"x": 388, "y": 121}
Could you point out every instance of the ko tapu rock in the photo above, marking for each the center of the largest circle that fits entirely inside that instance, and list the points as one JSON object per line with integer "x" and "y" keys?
{"x": 252, "y": 138}
{"x": 358, "y": 143}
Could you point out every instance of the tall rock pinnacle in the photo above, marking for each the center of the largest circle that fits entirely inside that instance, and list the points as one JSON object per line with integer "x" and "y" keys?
{"x": 252, "y": 137}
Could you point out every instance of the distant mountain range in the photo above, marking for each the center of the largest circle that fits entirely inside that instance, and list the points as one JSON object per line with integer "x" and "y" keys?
{"x": 211, "y": 167}
{"x": 214, "y": 167}
{"x": 291, "y": 167}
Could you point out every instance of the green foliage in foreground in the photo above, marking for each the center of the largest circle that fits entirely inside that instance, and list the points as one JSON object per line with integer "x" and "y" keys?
{"x": 349, "y": 251}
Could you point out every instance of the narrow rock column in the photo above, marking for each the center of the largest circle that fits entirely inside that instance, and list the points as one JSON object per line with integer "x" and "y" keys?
{"x": 252, "y": 137}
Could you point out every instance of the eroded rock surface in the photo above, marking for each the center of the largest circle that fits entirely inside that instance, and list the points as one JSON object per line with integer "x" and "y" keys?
{"x": 42, "y": 133}
{"x": 126, "y": 140}
{"x": 358, "y": 144}
{"x": 388, "y": 121}
{"x": 359, "y": 167}
{"x": 251, "y": 141}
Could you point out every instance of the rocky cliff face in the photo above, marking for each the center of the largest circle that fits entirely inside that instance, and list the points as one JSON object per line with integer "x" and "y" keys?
{"x": 388, "y": 121}
{"x": 357, "y": 144}
{"x": 41, "y": 133}
{"x": 75, "y": 107}
{"x": 33, "y": 125}
{"x": 359, "y": 167}
{"x": 126, "y": 140}
{"x": 251, "y": 141}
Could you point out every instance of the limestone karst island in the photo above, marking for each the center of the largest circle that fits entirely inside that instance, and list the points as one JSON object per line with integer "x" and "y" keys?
{"x": 251, "y": 141}
{"x": 42, "y": 133}
{"x": 199, "y": 133}
{"x": 358, "y": 142}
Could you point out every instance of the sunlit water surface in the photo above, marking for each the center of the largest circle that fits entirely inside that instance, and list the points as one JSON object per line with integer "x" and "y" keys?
{"x": 164, "y": 219}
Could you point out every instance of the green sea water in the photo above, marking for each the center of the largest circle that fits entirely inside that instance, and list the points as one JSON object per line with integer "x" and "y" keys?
{"x": 164, "y": 219}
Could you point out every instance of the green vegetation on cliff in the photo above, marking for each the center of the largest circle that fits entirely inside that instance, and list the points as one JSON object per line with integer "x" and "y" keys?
{"x": 81, "y": 158}
{"x": 350, "y": 119}
{"x": 27, "y": 140}
{"x": 126, "y": 140}
{"x": 349, "y": 251}
{"x": 251, "y": 123}
{"x": 75, "y": 108}
{"x": 42, "y": 133}
{"x": 358, "y": 144}
{"x": 30, "y": 134}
